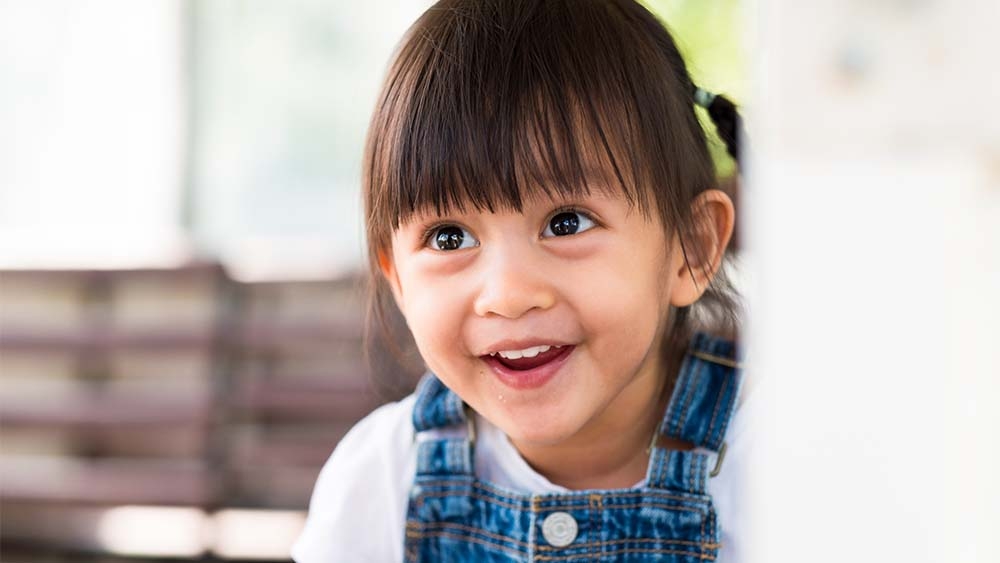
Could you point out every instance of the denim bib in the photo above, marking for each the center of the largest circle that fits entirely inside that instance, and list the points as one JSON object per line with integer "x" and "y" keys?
{"x": 454, "y": 516}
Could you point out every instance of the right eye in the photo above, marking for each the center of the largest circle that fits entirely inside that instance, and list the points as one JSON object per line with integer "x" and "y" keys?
{"x": 450, "y": 237}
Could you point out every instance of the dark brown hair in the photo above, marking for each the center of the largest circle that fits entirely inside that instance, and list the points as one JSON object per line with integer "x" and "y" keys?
{"x": 486, "y": 100}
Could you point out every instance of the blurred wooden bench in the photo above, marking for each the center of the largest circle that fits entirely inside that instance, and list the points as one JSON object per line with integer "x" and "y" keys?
{"x": 177, "y": 387}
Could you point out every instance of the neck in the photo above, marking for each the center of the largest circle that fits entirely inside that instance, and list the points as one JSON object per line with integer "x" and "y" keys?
{"x": 611, "y": 460}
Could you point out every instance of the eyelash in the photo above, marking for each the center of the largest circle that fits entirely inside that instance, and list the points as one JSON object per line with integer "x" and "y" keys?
{"x": 428, "y": 233}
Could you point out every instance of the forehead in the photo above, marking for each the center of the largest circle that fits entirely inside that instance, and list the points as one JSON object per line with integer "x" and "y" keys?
{"x": 530, "y": 200}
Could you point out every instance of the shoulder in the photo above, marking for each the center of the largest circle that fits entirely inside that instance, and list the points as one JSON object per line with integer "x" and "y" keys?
{"x": 358, "y": 506}
{"x": 384, "y": 435}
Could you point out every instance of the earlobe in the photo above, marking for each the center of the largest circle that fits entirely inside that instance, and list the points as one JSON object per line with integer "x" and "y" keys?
{"x": 695, "y": 264}
{"x": 685, "y": 289}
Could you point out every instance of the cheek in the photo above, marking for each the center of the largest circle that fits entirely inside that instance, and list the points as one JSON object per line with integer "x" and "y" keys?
{"x": 435, "y": 321}
{"x": 623, "y": 309}
{"x": 629, "y": 321}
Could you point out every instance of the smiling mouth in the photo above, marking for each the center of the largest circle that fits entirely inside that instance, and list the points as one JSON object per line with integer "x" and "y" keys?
{"x": 526, "y": 363}
{"x": 526, "y": 373}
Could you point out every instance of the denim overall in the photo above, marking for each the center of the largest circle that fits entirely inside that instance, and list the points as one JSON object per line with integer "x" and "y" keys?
{"x": 454, "y": 516}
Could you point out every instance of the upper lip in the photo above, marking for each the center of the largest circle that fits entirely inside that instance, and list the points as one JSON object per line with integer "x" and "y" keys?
{"x": 520, "y": 344}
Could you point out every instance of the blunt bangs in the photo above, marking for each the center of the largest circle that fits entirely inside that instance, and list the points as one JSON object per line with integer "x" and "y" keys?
{"x": 489, "y": 103}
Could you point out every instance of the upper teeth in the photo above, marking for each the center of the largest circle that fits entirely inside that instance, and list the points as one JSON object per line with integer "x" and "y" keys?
{"x": 526, "y": 353}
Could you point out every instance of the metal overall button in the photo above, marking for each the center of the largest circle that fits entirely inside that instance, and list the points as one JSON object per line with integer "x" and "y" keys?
{"x": 559, "y": 529}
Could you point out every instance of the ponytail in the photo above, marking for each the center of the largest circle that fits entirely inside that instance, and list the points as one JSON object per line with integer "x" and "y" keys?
{"x": 728, "y": 122}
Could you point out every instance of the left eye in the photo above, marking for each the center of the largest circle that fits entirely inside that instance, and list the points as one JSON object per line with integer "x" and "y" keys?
{"x": 451, "y": 237}
{"x": 567, "y": 223}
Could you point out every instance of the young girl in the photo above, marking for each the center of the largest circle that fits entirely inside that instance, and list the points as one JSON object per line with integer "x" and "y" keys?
{"x": 540, "y": 206}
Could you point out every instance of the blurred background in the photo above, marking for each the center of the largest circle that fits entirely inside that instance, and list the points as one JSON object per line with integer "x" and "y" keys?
{"x": 181, "y": 312}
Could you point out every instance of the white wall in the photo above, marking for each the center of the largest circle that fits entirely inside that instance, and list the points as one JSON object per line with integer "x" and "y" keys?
{"x": 284, "y": 94}
{"x": 112, "y": 110}
{"x": 91, "y": 132}
{"x": 874, "y": 232}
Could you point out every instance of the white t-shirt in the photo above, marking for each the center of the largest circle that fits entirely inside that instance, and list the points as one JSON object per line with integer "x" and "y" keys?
{"x": 358, "y": 507}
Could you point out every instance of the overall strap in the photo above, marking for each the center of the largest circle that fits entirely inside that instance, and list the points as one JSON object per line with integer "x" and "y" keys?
{"x": 679, "y": 470}
{"x": 699, "y": 412}
{"x": 704, "y": 396}
{"x": 437, "y": 407}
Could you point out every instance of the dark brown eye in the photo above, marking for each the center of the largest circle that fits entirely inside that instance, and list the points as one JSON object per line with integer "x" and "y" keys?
{"x": 451, "y": 237}
{"x": 564, "y": 224}
{"x": 568, "y": 223}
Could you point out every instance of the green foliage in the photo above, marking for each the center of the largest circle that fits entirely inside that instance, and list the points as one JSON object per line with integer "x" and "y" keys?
{"x": 708, "y": 33}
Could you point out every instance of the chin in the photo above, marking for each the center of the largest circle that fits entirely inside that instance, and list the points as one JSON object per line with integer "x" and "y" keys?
{"x": 543, "y": 433}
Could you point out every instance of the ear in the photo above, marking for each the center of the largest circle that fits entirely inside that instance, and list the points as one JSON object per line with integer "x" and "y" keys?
{"x": 388, "y": 269}
{"x": 694, "y": 265}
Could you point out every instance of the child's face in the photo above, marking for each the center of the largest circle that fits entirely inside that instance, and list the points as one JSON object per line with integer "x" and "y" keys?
{"x": 591, "y": 275}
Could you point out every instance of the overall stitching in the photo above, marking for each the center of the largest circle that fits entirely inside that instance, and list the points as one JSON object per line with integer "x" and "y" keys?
{"x": 533, "y": 529}
{"x": 637, "y": 540}
{"x": 696, "y": 377}
{"x": 693, "y": 473}
{"x": 663, "y": 460}
{"x": 677, "y": 402}
{"x": 487, "y": 487}
{"x": 589, "y": 551}
{"x": 477, "y": 496}
{"x": 636, "y": 550}
{"x": 710, "y": 440}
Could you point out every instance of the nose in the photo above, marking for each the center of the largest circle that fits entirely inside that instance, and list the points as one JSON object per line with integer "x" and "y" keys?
{"x": 513, "y": 283}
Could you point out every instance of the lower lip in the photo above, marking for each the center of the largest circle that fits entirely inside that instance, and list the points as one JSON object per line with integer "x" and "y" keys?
{"x": 529, "y": 378}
